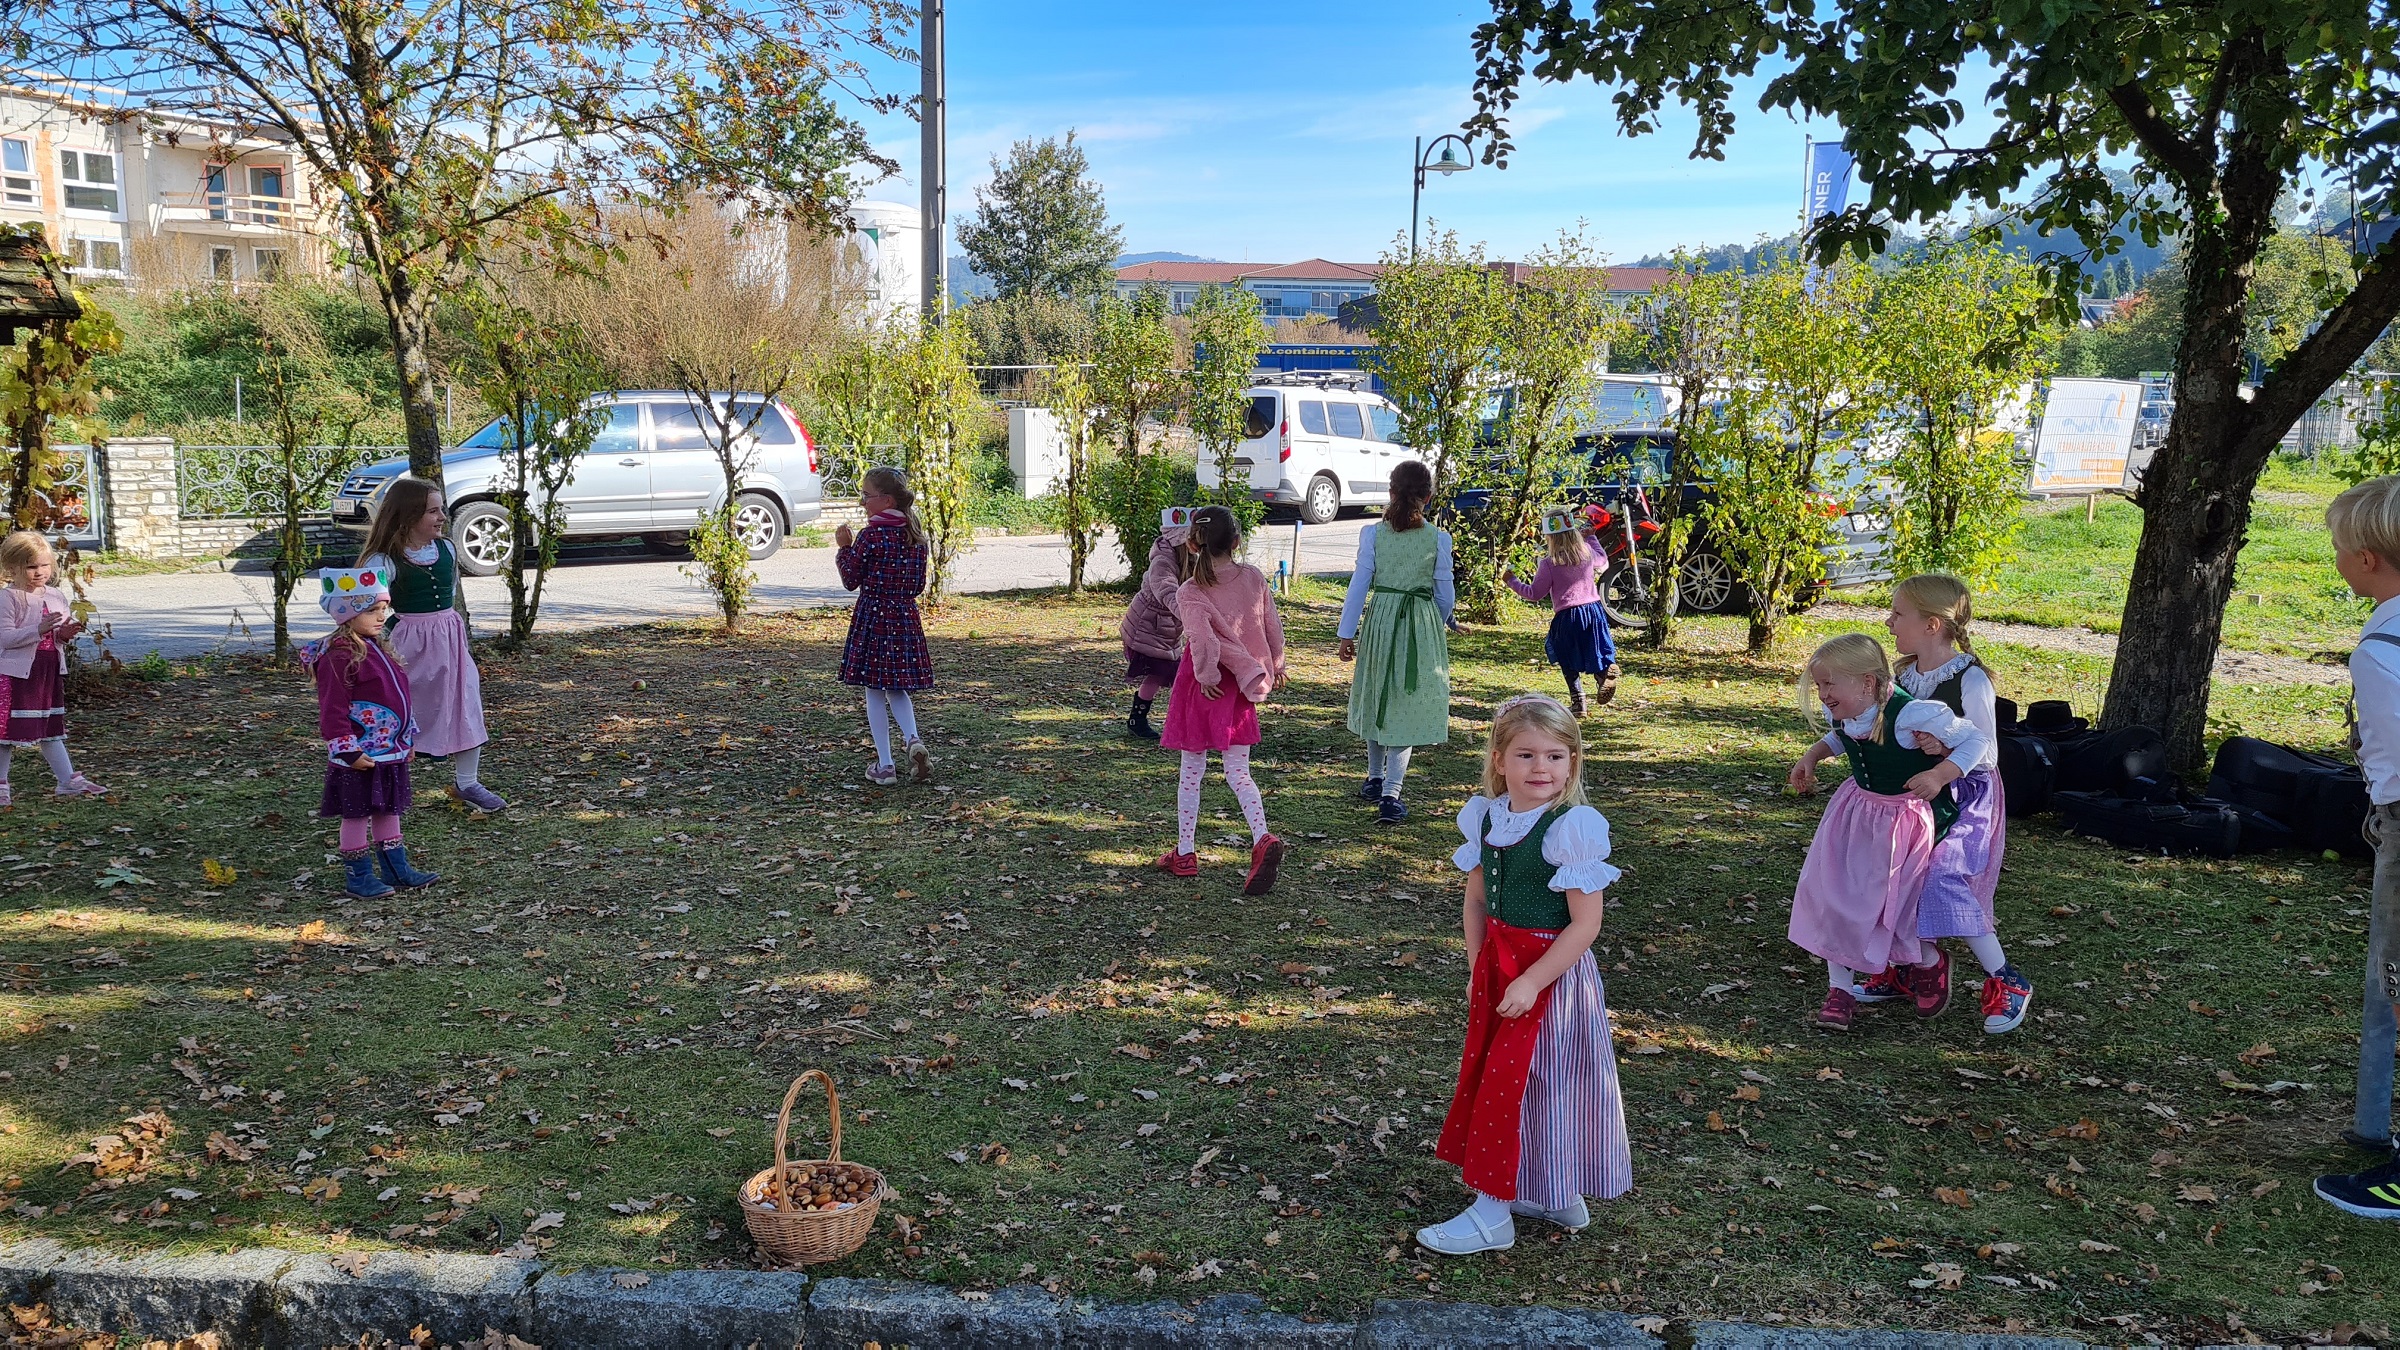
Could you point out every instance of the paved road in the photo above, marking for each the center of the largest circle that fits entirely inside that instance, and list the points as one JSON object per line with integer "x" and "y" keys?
{"x": 187, "y": 613}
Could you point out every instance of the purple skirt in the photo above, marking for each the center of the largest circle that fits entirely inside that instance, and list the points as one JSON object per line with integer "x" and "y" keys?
{"x": 1965, "y": 871}
{"x": 1140, "y": 666}
{"x": 355, "y": 794}
{"x": 37, "y": 704}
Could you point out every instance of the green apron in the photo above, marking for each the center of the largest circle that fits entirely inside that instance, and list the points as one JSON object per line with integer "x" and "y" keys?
{"x": 1400, "y": 692}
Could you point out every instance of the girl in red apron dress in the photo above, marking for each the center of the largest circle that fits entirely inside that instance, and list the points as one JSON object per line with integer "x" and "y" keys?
{"x": 1537, "y": 1122}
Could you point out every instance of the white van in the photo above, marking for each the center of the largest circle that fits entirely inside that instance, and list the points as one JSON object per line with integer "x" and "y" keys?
{"x": 1316, "y": 443}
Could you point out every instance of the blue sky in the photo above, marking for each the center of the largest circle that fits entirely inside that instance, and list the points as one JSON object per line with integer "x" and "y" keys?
{"x": 1275, "y": 132}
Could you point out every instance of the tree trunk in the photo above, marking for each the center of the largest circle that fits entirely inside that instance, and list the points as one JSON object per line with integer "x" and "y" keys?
{"x": 2195, "y": 500}
{"x": 409, "y": 313}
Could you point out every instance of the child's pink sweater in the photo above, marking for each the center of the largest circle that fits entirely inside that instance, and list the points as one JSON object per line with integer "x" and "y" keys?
{"x": 1231, "y": 630}
{"x": 1563, "y": 587}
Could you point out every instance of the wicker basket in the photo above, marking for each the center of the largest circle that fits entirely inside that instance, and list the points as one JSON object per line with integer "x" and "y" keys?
{"x": 791, "y": 1235}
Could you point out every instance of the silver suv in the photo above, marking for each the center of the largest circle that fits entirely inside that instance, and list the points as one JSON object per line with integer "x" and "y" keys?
{"x": 649, "y": 472}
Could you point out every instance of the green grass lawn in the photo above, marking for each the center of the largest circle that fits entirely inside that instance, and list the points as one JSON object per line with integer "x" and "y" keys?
{"x": 2071, "y": 573}
{"x": 1081, "y": 1072}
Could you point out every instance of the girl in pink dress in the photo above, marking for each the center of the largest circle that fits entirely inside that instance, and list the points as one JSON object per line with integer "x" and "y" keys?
{"x": 1232, "y": 657}
{"x": 1856, "y": 906}
{"x": 36, "y": 623}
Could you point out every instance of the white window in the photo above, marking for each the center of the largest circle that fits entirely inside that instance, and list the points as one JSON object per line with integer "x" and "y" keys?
{"x": 16, "y": 173}
{"x": 90, "y": 180}
{"x": 106, "y": 256}
{"x": 220, "y": 264}
{"x": 266, "y": 263}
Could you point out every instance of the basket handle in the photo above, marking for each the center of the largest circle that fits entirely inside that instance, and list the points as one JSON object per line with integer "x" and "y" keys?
{"x": 783, "y": 1119}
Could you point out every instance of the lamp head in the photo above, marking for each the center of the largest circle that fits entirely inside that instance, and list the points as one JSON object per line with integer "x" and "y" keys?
{"x": 1450, "y": 162}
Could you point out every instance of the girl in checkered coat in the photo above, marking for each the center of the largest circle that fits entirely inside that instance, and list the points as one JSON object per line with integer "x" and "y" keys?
{"x": 886, "y": 655}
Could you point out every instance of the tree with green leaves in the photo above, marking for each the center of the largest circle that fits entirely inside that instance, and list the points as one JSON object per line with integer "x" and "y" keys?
{"x": 1071, "y": 399}
{"x": 1801, "y": 398}
{"x": 48, "y": 385}
{"x": 432, "y": 128}
{"x": 1439, "y": 317}
{"x": 312, "y": 416}
{"x": 1041, "y": 225}
{"x": 1227, "y": 333}
{"x": 540, "y": 378}
{"x": 2224, "y": 105}
{"x": 1134, "y": 384}
{"x": 850, "y": 401}
{"x": 1551, "y": 352}
{"x": 1692, "y": 320}
{"x": 1958, "y": 337}
{"x": 934, "y": 400}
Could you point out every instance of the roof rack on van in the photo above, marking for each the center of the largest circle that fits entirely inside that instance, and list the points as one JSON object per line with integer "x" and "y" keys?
{"x": 1314, "y": 379}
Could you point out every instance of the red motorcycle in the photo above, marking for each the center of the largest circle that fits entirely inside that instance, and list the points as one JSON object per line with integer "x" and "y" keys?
{"x": 1624, "y": 535}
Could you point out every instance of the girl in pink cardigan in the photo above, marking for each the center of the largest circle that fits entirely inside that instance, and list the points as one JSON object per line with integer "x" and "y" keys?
{"x": 1569, "y": 578}
{"x": 1232, "y": 657}
{"x": 36, "y": 624}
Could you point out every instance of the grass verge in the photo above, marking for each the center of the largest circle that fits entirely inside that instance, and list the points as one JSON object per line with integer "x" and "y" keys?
{"x": 1080, "y": 1072}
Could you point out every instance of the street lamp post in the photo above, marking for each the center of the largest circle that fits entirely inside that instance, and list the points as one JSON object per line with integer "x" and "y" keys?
{"x": 1448, "y": 163}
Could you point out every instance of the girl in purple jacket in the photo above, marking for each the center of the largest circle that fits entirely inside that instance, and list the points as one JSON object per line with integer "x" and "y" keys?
{"x": 1152, "y": 630}
{"x": 370, "y": 730}
{"x": 1569, "y": 578}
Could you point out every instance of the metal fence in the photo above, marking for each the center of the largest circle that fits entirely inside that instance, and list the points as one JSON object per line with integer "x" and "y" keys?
{"x": 239, "y": 482}
{"x": 75, "y": 489}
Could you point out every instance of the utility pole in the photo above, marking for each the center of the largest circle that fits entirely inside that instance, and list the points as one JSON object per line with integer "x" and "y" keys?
{"x": 933, "y": 172}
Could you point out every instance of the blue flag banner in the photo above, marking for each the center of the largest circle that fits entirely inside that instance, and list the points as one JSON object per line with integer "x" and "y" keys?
{"x": 1828, "y": 179}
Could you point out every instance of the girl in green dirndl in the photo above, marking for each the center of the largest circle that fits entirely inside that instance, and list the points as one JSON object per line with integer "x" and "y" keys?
{"x": 1394, "y": 624}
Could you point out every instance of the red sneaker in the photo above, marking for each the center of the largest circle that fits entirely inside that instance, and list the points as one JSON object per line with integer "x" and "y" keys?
{"x": 1884, "y": 987}
{"x": 1841, "y": 1007}
{"x": 1179, "y": 864}
{"x": 1265, "y": 857}
{"x": 1931, "y": 984}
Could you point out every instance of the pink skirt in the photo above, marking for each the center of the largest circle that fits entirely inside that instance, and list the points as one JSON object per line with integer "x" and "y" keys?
{"x": 1857, "y": 901}
{"x": 1197, "y": 722}
{"x": 443, "y": 684}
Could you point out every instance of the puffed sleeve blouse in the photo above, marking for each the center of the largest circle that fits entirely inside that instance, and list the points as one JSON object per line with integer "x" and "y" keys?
{"x": 1577, "y": 844}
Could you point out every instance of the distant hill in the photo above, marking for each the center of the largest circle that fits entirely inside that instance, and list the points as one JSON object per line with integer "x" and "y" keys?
{"x": 965, "y": 282}
{"x": 1132, "y": 259}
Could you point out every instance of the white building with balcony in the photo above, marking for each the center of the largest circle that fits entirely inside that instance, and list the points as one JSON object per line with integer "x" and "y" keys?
{"x": 161, "y": 200}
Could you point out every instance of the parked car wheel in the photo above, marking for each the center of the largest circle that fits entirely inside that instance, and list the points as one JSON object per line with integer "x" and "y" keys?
{"x": 759, "y": 525}
{"x": 1324, "y": 500}
{"x": 479, "y": 532}
{"x": 1706, "y": 584}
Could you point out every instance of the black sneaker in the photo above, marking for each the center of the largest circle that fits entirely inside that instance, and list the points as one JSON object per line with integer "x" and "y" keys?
{"x": 1371, "y": 790}
{"x": 2372, "y": 1194}
{"x": 1390, "y": 811}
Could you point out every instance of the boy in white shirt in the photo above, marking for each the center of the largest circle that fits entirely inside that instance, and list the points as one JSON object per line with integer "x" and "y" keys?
{"x": 2365, "y": 523}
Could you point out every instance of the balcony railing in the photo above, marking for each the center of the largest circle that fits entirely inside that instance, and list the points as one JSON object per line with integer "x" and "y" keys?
{"x": 234, "y": 208}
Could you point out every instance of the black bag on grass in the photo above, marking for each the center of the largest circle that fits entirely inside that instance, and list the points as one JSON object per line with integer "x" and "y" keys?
{"x": 2109, "y": 761}
{"x": 2028, "y": 773}
{"x": 2196, "y": 826}
{"x": 2323, "y": 799}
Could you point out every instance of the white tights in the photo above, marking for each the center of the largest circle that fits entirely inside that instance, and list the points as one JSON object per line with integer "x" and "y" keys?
{"x": 464, "y": 767}
{"x": 902, "y": 710}
{"x": 1237, "y": 777}
{"x": 54, "y": 754}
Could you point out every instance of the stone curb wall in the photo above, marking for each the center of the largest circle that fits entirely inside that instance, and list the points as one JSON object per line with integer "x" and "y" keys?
{"x": 263, "y": 1299}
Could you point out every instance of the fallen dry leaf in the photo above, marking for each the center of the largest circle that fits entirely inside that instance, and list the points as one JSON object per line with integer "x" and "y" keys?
{"x": 352, "y": 1264}
{"x": 629, "y": 1279}
{"x": 1954, "y": 1195}
{"x": 2192, "y": 1192}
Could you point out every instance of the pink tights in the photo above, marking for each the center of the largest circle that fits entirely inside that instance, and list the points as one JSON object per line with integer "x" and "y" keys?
{"x": 1149, "y": 689}
{"x": 354, "y": 831}
{"x": 1237, "y": 777}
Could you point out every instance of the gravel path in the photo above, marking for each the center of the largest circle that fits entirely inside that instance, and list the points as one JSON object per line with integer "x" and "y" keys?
{"x": 2237, "y": 667}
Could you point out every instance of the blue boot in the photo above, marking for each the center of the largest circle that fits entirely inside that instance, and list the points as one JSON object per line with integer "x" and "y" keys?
{"x": 394, "y": 857}
{"x": 359, "y": 879}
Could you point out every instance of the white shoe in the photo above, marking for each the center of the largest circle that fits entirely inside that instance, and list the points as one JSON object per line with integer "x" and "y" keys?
{"x": 1574, "y": 1218}
{"x": 1464, "y": 1236}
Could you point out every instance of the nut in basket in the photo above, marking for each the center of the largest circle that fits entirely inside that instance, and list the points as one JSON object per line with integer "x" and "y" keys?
{"x": 811, "y": 1209}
